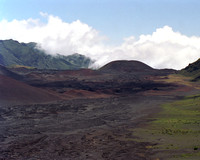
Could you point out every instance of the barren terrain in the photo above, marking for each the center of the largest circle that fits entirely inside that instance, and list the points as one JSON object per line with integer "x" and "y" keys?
{"x": 85, "y": 114}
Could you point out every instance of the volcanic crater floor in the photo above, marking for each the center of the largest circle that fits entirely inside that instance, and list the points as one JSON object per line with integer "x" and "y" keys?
{"x": 77, "y": 129}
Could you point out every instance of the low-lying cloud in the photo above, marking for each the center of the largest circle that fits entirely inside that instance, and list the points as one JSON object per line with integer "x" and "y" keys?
{"x": 164, "y": 48}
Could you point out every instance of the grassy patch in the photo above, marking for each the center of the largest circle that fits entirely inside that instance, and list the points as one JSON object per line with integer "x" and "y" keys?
{"x": 21, "y": 66}
{"x": 180, "y": 79}
{"x": 175, "y": 130}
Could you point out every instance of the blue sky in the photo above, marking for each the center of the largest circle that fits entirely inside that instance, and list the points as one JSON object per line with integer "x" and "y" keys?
{"x": 114, "y": 18}
{"x": 160, "y": 33}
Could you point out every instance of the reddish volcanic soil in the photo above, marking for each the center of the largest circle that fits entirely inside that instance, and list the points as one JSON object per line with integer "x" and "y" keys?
{"x": 16, "y": 92}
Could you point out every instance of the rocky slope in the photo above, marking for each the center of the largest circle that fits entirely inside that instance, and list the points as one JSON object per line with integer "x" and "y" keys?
{"x": 80, "y": 114}
{"x": 192, "y": 70}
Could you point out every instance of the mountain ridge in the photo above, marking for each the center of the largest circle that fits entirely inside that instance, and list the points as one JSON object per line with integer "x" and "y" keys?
{"x": 192, "y": 70}
{"x": 13, "y": 53}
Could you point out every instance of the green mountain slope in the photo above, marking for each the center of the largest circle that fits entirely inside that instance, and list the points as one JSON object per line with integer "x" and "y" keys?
{"x": 192, "y": 70}
{"x": 13, "y": 53}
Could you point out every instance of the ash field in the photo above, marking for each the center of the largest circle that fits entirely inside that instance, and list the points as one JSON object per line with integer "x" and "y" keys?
{"x": 83, "y": 114}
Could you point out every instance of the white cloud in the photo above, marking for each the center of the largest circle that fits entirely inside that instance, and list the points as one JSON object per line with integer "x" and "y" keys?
{"x": 164, "y": 48}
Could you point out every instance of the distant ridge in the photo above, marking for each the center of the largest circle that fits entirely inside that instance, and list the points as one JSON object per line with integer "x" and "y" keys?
{"x": 13, "y": 53}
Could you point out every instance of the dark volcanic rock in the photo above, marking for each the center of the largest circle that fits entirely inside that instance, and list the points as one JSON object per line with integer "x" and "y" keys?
{"x": 76, "y": 129}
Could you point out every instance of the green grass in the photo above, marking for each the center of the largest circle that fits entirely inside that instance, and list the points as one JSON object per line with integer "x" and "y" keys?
{"x": 175, "y": 130}
{"x": 180, "y": 79}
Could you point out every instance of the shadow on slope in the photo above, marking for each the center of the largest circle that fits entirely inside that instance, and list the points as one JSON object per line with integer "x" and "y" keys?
{"x": 16, "y": 92}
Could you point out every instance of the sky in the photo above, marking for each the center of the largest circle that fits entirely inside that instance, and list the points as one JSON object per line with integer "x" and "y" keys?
{"x": 161, "y": 33}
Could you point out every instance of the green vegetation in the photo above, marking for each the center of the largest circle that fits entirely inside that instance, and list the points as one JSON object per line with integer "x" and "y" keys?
{"x": 13, "y": 54}
{"x": 180, "y": 79}
{"x": 175, "y": 130}
{"x": 21, "y": 66}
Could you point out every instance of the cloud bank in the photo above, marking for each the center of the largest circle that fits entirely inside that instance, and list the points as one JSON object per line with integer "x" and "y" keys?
{"x": 164, "y": 48}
